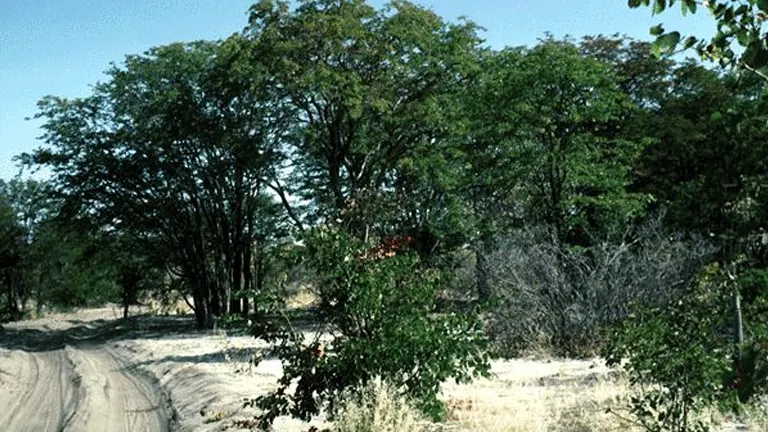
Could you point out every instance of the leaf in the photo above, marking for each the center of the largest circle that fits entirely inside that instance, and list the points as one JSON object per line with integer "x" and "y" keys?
{"x": 719, "y": 10}
{"x": 743, "y": 37}
{"x": 668, "y": 42}
{"x": 634, "y": 3}
{"x": 755, "y": 55}
{"x": 689, "y": 5}
{"x": 659, "y": 6}
{"x": 727, "y": 16}
{"x": 657, "y": 30}
{"x": 689, "y": 42}
{"x": 762, "y": 5}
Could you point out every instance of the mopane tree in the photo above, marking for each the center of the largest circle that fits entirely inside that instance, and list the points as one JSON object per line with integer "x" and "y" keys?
{"x": 43, "y": 257}
{"x": 175, "y": 145}
{"x": 549, "y": 122}
{"x": 373, "y": 94}
{"x": 708, "y": 158}
{"x": 548, "y": 145}
{"x": 11, "y": 250}
{"x": 641, "y": 74}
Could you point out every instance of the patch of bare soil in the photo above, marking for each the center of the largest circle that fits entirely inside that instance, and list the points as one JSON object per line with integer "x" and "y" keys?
{"x": 57, "y": 374}
{"x": 94, "y": 372}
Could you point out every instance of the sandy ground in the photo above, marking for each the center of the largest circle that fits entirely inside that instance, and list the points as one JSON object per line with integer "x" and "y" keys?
{"x": 58, "y": 374}
{"x": 92, "y": 372}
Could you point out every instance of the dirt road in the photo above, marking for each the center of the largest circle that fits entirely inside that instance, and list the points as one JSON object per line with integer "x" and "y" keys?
{"x": 62, "y": 376}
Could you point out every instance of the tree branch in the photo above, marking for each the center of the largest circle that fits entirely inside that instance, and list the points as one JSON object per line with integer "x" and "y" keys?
{"x": 278, "y": 188}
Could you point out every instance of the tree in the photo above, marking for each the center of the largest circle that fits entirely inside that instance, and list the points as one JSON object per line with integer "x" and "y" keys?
{"x": 46, "y": 259}
{"x": 547, "y": 121}
{"x": 175, "y": 146}
{"x": 709, "y": 136}
{"x": 372, "y": 94}
{"x": 11, "y": 244}
{"x": 24, "y": 205}
{"x": 641, "y": 75}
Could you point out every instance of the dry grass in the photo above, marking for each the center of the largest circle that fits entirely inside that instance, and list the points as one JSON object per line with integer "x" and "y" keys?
{"x": 303, "y": 299}
{"x": 529, "y": 396}
{"x": 559, "y": 396}
{"x": 378, "y": 408}
{"x": 757, "y": 416}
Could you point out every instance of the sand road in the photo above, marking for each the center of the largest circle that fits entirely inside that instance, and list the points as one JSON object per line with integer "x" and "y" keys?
{"x": 62, "y": 376}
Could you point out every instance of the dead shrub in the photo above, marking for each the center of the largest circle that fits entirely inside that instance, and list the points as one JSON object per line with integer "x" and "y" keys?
{"x": 559, "y": 299}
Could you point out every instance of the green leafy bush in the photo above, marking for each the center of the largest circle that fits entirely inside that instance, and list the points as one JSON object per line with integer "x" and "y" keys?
{"x": 379, "y": 320}
{"x": 679, "y": 358}
{"x": 751, "y": 378}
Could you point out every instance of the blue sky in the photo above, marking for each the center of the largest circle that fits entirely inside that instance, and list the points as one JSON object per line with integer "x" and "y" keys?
{"x": 61, "y": 47}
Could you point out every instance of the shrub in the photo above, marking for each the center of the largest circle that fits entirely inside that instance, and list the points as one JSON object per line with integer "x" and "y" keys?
{"x": 376, "y": 407}
{"x": 679, "y": 357}
{"x": 379, "y": 316}
{"x": 556, "y": 298}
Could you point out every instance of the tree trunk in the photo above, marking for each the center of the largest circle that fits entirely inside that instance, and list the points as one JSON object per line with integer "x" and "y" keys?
{"x": 215, "y": 301}
{"x": 247, "y": 270}
{"x": 482, "y": 271}
{"x": 201, "y": 311}
{"x": 235, "y": 306}
{"x": 201, "y": 297}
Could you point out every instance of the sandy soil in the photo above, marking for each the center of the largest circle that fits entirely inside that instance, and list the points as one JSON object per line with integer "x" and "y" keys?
{"x": 58, "y": 374}
{"x": 92, "y": 372}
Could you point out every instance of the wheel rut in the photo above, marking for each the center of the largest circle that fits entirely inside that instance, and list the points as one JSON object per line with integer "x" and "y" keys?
{"x": 52, "y": 382}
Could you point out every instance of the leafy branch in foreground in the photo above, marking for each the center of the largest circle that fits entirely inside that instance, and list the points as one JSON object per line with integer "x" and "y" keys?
{"x": 739, "y": 39}
{"x": 684, "y": 360}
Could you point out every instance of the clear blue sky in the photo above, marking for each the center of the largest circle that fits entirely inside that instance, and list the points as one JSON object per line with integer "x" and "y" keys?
{"x": 61, "y": 47}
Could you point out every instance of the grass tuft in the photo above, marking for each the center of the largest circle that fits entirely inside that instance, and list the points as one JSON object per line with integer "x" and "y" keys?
{"x": 377, "y": 407}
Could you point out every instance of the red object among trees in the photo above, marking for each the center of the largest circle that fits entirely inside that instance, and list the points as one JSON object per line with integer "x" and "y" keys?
{"x": 391, "y": 246}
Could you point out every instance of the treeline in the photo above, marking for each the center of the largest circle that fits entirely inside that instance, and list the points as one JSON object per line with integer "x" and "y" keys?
{"x": 564, "y": 186}
{"x": 387, "y": 123}
{"x": 49, "y": 260}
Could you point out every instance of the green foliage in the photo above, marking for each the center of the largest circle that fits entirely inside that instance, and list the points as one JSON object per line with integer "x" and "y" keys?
{"x": 44, "y": 260}
{"x": 176, "y": 145}
{"x": 380, "y": 315}
{"x": 69, "y": 275}
{"x": 683, "y": 358}
{"x": 373, "y": 97}
{"x": 394, "y": 121}
{"x": 677, "y": 357}
{"x": 708, "y": 147}
{"x": 750, "y": 378}
{"x": 545, "y": 133}
{"x": 739, "y": 40}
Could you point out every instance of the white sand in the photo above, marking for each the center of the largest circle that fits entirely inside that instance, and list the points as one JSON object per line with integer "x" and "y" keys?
{"x": 88, "y": 371}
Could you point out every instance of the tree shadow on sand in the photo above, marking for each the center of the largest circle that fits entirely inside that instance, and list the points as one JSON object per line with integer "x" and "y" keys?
{"x": 96, "y": 332}
{"x": 84, "y": 334}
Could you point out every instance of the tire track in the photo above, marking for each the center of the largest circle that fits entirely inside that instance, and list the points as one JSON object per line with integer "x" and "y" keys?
{"x": 40, "y": 390}
{"x": 69, "y": 379}
{"x": 115, "y": 397}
